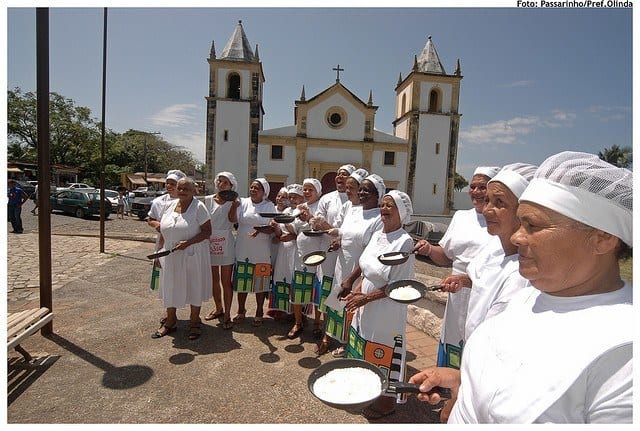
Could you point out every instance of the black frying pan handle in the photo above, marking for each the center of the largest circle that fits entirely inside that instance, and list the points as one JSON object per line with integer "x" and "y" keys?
{"x": 411, "y": 388}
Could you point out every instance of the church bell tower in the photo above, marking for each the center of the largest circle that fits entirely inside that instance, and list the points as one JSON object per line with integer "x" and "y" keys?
{"x": 234, "y": 111}
{"x": 427, "y": 116}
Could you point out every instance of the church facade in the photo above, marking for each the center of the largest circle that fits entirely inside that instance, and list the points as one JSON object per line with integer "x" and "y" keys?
{"x": 335, "y": 127}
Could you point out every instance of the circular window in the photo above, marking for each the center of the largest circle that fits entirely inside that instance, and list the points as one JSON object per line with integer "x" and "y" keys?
{"x": 336, "y": 117}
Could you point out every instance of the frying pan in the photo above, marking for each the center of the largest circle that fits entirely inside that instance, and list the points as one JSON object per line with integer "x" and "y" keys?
{"x": 314, "y": 232}
{"x": 385, "y": 385}
{"x": 410, "y": 283}
{"x": 286, "y": 218}
{"x": 264, "y": 228}
{"x": 270, "y": 215}
{"x": 160, "y": 254}
{"x": 228, "y": 195}
{"x": 396, "y": 257}
{"x": 322, "y": 254}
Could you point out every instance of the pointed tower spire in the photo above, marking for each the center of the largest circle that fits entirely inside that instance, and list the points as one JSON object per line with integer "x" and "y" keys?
{"x": 212, "y": 53}
{"x": 370, "y": 102}
{"x": 238, "y": 47}
{"x": 429, "y": 61}
{"x": 458, "y": 71}
{"x": 302, "y": 97}
{"x": 399, "y": 79}
{"x": 415, "y": 63}
{"x": 257, "y": 56}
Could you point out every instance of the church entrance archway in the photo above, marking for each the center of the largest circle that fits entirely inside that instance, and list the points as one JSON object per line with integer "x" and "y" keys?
{"x": 328, "y": 182}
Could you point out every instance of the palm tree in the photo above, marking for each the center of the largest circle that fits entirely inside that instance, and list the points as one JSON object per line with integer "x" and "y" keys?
{"x": 459, "y": 182}
{"x": 621, "y": 157}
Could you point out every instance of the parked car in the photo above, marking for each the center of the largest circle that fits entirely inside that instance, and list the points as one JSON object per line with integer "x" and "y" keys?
{"x": 141, "y": 205}
{"x": 79, "y": 186}
{"x": 81, "y": 203}
{"x": 112, "y": 197}
{"x": 24, "y": 185}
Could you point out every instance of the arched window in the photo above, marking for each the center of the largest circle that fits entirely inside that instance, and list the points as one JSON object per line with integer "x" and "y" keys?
{"x": 403, "y": 108}
{"x": 233, "y": 86}
{"x": 434, "y": 102}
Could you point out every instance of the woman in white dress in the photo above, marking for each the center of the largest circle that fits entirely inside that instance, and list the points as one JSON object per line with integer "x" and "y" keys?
{"x": 186, "y": 276}
{"x": 303, "y": 277}
{"x": 222, "y": 247}
{"x": 253, "y": 248}
{"x": 279, "y": 300}
{"x": 562, "y": 350}
{"x": 378, "y": 327}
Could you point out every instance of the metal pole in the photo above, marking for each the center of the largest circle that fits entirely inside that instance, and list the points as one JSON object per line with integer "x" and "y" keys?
{"x": 104, "y": 90}
{"x": 44, "y": 168}
{"x": 145, "y": 159}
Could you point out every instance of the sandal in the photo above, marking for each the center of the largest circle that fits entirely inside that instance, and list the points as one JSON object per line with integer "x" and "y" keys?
{"x": 322, "y": 347}
{"x": 257, "y": 321}
{"x": 227, "y": 324}
{"x": 317, "y": 331}
{"x": 239, "y": 317}
{"x": 339, "y": 352}
{"x": 214, "y": 315}
{"x": 163, "y": 330}
{"x": 295, "y": 331}
{"x": 195, "y": 330}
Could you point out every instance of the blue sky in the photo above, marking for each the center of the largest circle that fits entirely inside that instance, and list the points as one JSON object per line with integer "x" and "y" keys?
{"x": 536, "y": 81}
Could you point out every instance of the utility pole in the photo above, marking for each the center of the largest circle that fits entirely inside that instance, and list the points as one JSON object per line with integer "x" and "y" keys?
{"x": 146, "y": 135}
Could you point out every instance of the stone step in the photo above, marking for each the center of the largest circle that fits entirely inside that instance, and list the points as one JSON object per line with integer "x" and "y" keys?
{"x": 427, "y": 313}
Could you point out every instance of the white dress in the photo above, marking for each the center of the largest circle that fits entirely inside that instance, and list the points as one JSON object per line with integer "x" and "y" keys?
{"x": 329, "y": 207}
{"x": 253, "y": 254}
{"x": 464, "y": 238}
{"x": 283, "y": 272}
{"x": 495, "y": 280}
{"x": 186, "y": 275}
{"x": 303, "y": 289}
{"x": 356, "y": 231}
{"x": 222, "y": 243}
{"x": 551, "y": 359}
{"x": 158, "y": 207}
{"x": 378, "y": 328}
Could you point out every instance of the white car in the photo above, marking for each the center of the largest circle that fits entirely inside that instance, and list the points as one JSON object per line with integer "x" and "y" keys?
{"x": 79, "y": 186}
{"x": 112, "y": 196}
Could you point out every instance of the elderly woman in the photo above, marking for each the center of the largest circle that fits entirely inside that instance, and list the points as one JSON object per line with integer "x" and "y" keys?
{"x": 279, "y": 300}
{"x": 378, "y": 328}
{"x": 222, "y": 247}
{"x": 303, "y": 277}
{"x": 360, "y": 219}
{"x": 253, "y": 248}
{"x": 186, "y": 274}
{"x": 465, "y": 237}
{"x": 561, "y": 351}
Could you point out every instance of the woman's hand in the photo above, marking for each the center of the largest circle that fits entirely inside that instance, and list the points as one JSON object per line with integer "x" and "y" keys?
{"x": 181, "y": 245}
{"x": 453, "y": 283}
{"x": 436, "y": 376}
{"x": 355, "y": 300}
{"x": 423, "y": 247}
{"x": 156, "y": 262}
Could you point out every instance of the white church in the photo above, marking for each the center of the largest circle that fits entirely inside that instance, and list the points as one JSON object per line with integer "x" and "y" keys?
{"x": 335, "y": 127}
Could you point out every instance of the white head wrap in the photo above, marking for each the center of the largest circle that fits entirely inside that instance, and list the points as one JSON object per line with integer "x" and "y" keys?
{"x": 230, "y": 177}
{"x": 359, "y": 175}
{"x": 379, "y": 183}
{"x": 489, "y": 171}
{"x": 515, "y": 176}
{"x": 584, "y": 188}
{"x": 295, "y": 189}
{"x": 348, "y": 168}
{"x": 265, "y": 186}
{"x": 283, "y": 189}
{"x": 175, "y": 174}
{"x": 403, "y": 202}
{"x": 315, "y": 183}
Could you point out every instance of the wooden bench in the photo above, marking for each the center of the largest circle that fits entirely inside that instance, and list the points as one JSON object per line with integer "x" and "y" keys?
{"x": 23, "y": 324}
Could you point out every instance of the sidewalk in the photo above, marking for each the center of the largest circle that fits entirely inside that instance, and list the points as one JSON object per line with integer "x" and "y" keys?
{"x": 101, "y": 365}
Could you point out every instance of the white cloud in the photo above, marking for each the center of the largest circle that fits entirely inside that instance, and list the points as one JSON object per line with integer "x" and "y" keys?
{"x": 523, "y": 83}
{"x": 190, "y": 141}
{"x": 178, "y": 115}
{"x": 609, "y": 113}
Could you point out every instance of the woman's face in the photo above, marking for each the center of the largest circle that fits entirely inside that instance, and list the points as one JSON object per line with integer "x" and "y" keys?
{"x": 341, "y": 180}
{"x": 500, "y": 211}
{"x": 352, "y": 190}
{"x": 309, "y": 192}
{"x": 256, "y": 192}
{"x": 389, "y": 214}
{"x": 368, "y": 195}
{"x": 282, "y": 200}
{"x": 223, "y": 183}
{"x": 170, "y": 185}
{"x": 295, "y": 199}
{"x": 478, "y": 191}
{"x": 185, "y": 190}
{"x": 554, "y": 251}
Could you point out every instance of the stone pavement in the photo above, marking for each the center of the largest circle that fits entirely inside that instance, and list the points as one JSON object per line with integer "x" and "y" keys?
{"x": 101, "y": 366}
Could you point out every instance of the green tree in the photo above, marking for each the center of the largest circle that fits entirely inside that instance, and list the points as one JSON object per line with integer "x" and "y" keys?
{"x": 459, "y": 182}
{"x": 618, "y": 156}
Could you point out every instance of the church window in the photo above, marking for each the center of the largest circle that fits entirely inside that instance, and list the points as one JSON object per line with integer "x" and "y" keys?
{"x": 233, "y": 86}
{"x": 435, "y": 188}
{"x": 336, "y": 117}
{"x": 277, "y": 152}
{"x": 226, "y": 135}
{"x": 389, "y": 158}
{"x": 255, "y": 86}
{"x": 437, "y": 147}
{"x": 434, "y": 101}
{"x": 403, "y": 107}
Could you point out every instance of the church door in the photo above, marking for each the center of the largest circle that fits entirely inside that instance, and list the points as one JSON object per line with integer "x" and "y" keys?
{"x": 328, "y": 182}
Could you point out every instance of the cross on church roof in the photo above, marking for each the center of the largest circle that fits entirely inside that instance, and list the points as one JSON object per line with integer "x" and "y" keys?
{"x": 338, "y": 70}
